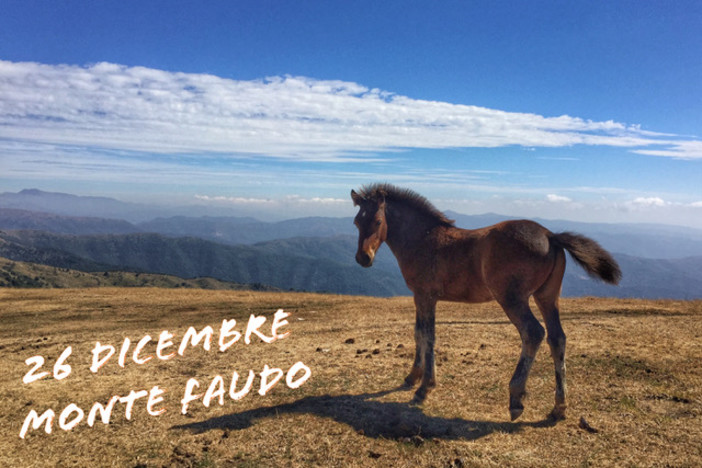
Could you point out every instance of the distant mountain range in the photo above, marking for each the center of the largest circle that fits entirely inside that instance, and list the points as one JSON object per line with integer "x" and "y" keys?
{"x": 311, "y": 254}
{"x": 71, "y": 214}
{"x": 189, "y": 257}
{"x": 100, "y": 207}
{"x": 72, "y": 205}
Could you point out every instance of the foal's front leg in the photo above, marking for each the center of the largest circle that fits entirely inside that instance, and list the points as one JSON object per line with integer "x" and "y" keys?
{"x": 417, "y": 370}
{"x": 423, "y": 366}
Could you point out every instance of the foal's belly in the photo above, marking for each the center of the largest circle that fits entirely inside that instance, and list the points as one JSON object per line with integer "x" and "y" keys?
{"x": 454, "y": 287}
{"x": 464, "y": 293}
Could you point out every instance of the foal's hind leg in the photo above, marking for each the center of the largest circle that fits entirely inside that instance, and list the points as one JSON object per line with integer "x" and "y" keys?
{"x": 547, "y": 300}
{"x": 532, "y": 334}
{"x": 557, "y": 342}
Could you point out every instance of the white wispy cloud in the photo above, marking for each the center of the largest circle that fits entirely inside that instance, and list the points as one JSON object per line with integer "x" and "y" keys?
{"x": 688, "y": 149}
{"x": 146, "y": 110}
{"x": 234, "y": 200}
{"x": 280, "y": 207}
{"x": 286, "y": 200}
{"x": 647, "y": 202}
{"x": 553, "y": 198}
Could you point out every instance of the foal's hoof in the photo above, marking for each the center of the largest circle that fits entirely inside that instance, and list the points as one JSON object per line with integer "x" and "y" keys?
{"x": 412, "y": 378}
{"x": 419, "y": 396}
{"x": 516, "y": 407}
{"x": 415, "y": 401}
{"x": 558, "y": 413}
{"x": 407, "y": 384}
{"x": 514, "y": 413}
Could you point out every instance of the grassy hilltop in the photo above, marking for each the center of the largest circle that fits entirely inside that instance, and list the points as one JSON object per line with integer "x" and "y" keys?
{"x": 33, "y": 275}
{"x": 633, "y": 375}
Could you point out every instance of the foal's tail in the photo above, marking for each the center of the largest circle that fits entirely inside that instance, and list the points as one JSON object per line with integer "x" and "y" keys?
{"x": 595, "y": 260}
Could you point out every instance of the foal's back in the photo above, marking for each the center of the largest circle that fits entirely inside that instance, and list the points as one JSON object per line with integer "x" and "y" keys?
{"x": 477, "y": 265}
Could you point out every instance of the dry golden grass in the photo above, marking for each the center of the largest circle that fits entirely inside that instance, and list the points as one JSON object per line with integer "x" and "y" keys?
{"x": 634, "y": 374}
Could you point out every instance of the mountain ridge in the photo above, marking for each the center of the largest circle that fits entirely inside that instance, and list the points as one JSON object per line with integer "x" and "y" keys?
{"x": 190, "y": 257}
{"x": 313, "y": 253}
{"x": 323, "y": 264}
{"x": 648, "y": 241}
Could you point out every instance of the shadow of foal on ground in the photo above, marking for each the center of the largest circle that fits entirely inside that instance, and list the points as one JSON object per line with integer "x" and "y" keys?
{"x": 368, "y": 417}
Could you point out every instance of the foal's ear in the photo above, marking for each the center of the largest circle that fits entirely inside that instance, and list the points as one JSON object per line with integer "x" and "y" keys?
{"x": 357, "y": 199}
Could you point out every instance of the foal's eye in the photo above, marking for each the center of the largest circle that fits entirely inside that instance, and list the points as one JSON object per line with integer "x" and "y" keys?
{"x": 378, "y": 222}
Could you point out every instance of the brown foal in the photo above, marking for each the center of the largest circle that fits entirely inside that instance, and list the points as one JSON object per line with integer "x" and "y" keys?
{"x": 508, "y": 262}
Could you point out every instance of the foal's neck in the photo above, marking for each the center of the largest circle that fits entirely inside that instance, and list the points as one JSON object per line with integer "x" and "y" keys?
{"x": 407, "y": 227}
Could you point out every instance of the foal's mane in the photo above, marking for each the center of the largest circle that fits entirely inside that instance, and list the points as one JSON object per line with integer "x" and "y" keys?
{"x": 406, "y": 197}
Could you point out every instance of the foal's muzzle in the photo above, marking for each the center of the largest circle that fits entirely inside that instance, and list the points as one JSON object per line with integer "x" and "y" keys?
{"x": 364, "y": 259}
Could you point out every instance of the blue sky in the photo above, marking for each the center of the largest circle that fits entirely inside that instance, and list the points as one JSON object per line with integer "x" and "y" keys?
{"x": 579, "y": 110}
